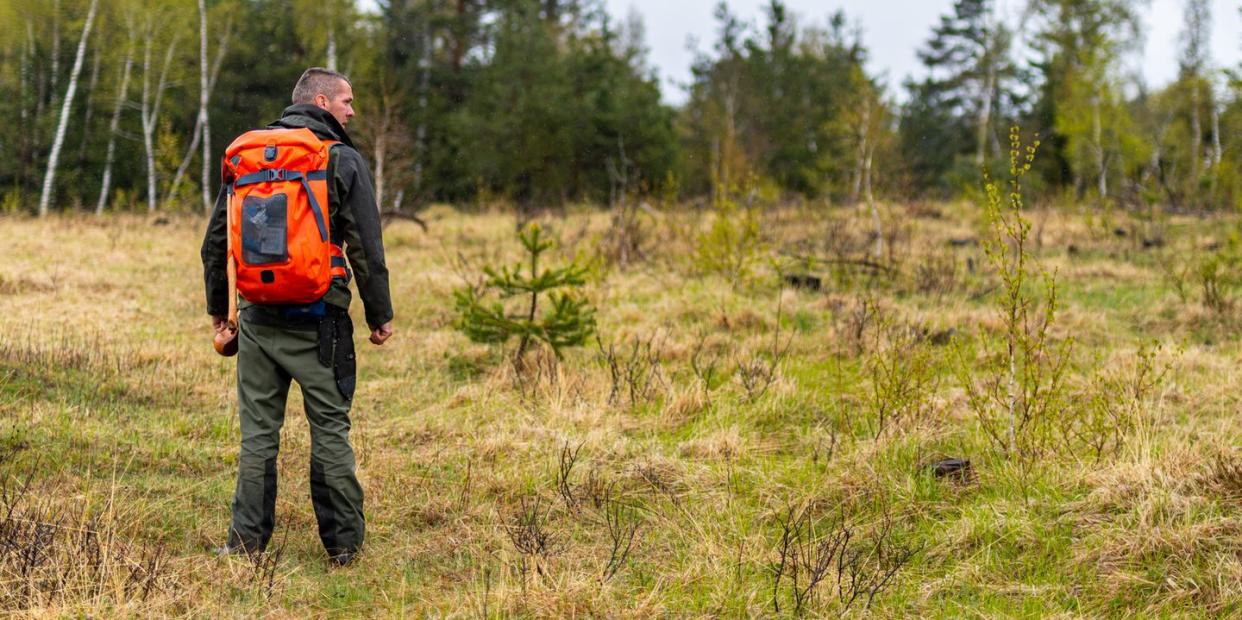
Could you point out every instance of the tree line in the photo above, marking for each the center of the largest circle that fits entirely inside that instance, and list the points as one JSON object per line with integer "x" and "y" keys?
{"x": 125, "y": 105}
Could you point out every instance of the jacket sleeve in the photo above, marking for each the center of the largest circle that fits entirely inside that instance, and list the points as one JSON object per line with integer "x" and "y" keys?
{"x": 362, "y": 234}
{"x": 215, "y": 258}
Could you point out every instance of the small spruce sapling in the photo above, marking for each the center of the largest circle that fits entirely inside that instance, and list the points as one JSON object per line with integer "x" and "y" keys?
{"x": 569, "y": 322}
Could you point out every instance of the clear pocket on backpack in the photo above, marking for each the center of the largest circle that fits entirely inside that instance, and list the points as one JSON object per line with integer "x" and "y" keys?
{"x": 265, "y": 230}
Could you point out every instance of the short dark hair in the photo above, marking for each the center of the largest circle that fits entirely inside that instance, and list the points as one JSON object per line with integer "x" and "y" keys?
{"x": 318, "y": 81}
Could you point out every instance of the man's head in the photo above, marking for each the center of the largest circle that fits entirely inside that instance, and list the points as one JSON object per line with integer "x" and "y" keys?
{"x": 327, "y": 89}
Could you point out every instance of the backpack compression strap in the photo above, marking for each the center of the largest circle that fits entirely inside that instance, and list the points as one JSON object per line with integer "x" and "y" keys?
{"x": 339, "y": 269}
{"x": 280, "y": 174}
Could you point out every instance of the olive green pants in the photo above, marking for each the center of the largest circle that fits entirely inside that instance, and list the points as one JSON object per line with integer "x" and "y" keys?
{"x": 268, "y": 359}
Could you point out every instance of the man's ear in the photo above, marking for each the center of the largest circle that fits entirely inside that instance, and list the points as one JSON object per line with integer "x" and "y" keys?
{"x": 321, "y": 100}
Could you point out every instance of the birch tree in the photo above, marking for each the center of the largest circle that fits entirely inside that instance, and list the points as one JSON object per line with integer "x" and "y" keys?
{"x": 204, "y": 125}
{"x": 150, "y": 105}
{"x": 66, "y": 108}
{"x": 1079, "y": 46}
{"x": 122, "y": 94}
{"x": 196, "y": 135}
{"x": 1196, "y": 40}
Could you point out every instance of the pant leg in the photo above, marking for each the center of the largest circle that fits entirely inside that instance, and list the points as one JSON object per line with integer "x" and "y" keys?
{"x": 335, "y": 492}
{"x": 262, "y": 391}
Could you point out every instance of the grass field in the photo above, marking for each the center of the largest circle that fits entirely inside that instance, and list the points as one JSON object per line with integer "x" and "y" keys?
{"x": 745, "y": 418}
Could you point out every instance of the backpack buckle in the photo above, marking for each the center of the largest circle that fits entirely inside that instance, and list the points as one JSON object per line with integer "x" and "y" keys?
{"x": 275, "y": 174}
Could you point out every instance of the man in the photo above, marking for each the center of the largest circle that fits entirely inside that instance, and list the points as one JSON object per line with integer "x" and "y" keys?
{"x": 312, "y": 345}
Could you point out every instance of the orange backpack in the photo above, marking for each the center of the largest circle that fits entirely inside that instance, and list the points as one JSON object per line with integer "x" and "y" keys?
{"x": 279, "y": 235}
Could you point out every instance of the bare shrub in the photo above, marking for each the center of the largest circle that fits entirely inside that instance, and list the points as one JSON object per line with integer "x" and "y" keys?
{"x": 622, "y": 524}
{"x": 833, "y": 559}
{"x": 635, "y": 372}
{"x": 51, "y": 555}
{"x": 264, "y": 565}
{"x": 1177, "y": 273}
{"x": 847, "y": 253}
{"x": 528, "y": 530}
{"x": 758, "y": 370}
{"x": 895, "y": 233}
{"x": 538, "y": 371}
{"x": 565, "y": 470}
{"x": 705, "y": 363}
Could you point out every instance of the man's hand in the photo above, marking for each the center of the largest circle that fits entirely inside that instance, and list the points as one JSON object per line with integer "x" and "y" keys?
{"x": 219, "y": 322}
{"x": 381, "y": 334}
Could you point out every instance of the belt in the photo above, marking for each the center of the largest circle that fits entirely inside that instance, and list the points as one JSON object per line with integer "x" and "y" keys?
{"x": 304, "y": 317}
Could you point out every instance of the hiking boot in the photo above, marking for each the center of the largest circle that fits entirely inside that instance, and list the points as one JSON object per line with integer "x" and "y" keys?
{"x": 343, "y": 559}
{"x": 228, "y": 550}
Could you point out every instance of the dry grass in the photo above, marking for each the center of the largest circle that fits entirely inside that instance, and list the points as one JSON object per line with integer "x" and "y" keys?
{"x": 721, "y": 411}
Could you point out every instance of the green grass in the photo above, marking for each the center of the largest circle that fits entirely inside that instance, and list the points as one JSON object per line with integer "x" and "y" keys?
{"x": 114, "y": 407}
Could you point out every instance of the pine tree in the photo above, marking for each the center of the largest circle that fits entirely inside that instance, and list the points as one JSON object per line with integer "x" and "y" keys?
{"x": 569, "y": 322}
{"x": 968, "y": 95}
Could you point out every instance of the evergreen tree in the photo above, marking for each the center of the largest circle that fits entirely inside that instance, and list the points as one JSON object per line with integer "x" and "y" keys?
{"x": 969, "y": 95}
{"x": 568, "y": 323}
{"x": 775, "y": 105}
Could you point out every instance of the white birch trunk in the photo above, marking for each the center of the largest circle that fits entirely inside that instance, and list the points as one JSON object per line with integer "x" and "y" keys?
{"x": 151, "y": 110}
{"x": 146, "y": 118}
{"x": 1101, "y": 163}
{"x": 121, "y": 95}
{"x": 875, "y": 210}
{"x": 331, "y": 66}
{"x": 861, "y": 159}
{"x": 197, "y": 134}
{"x": 204, "y": 94}
{"x": 381, "y": 152}
{"x": 1218, "y": 153}
{"x": 985, "y": 117}
{"x": 66, "y": 108}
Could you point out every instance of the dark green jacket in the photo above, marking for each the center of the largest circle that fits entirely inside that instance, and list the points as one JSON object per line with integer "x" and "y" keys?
{"x": 354, "y": 222}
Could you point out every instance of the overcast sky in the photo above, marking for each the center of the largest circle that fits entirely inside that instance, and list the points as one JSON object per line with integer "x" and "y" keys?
{"x": 892, "y": 31}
